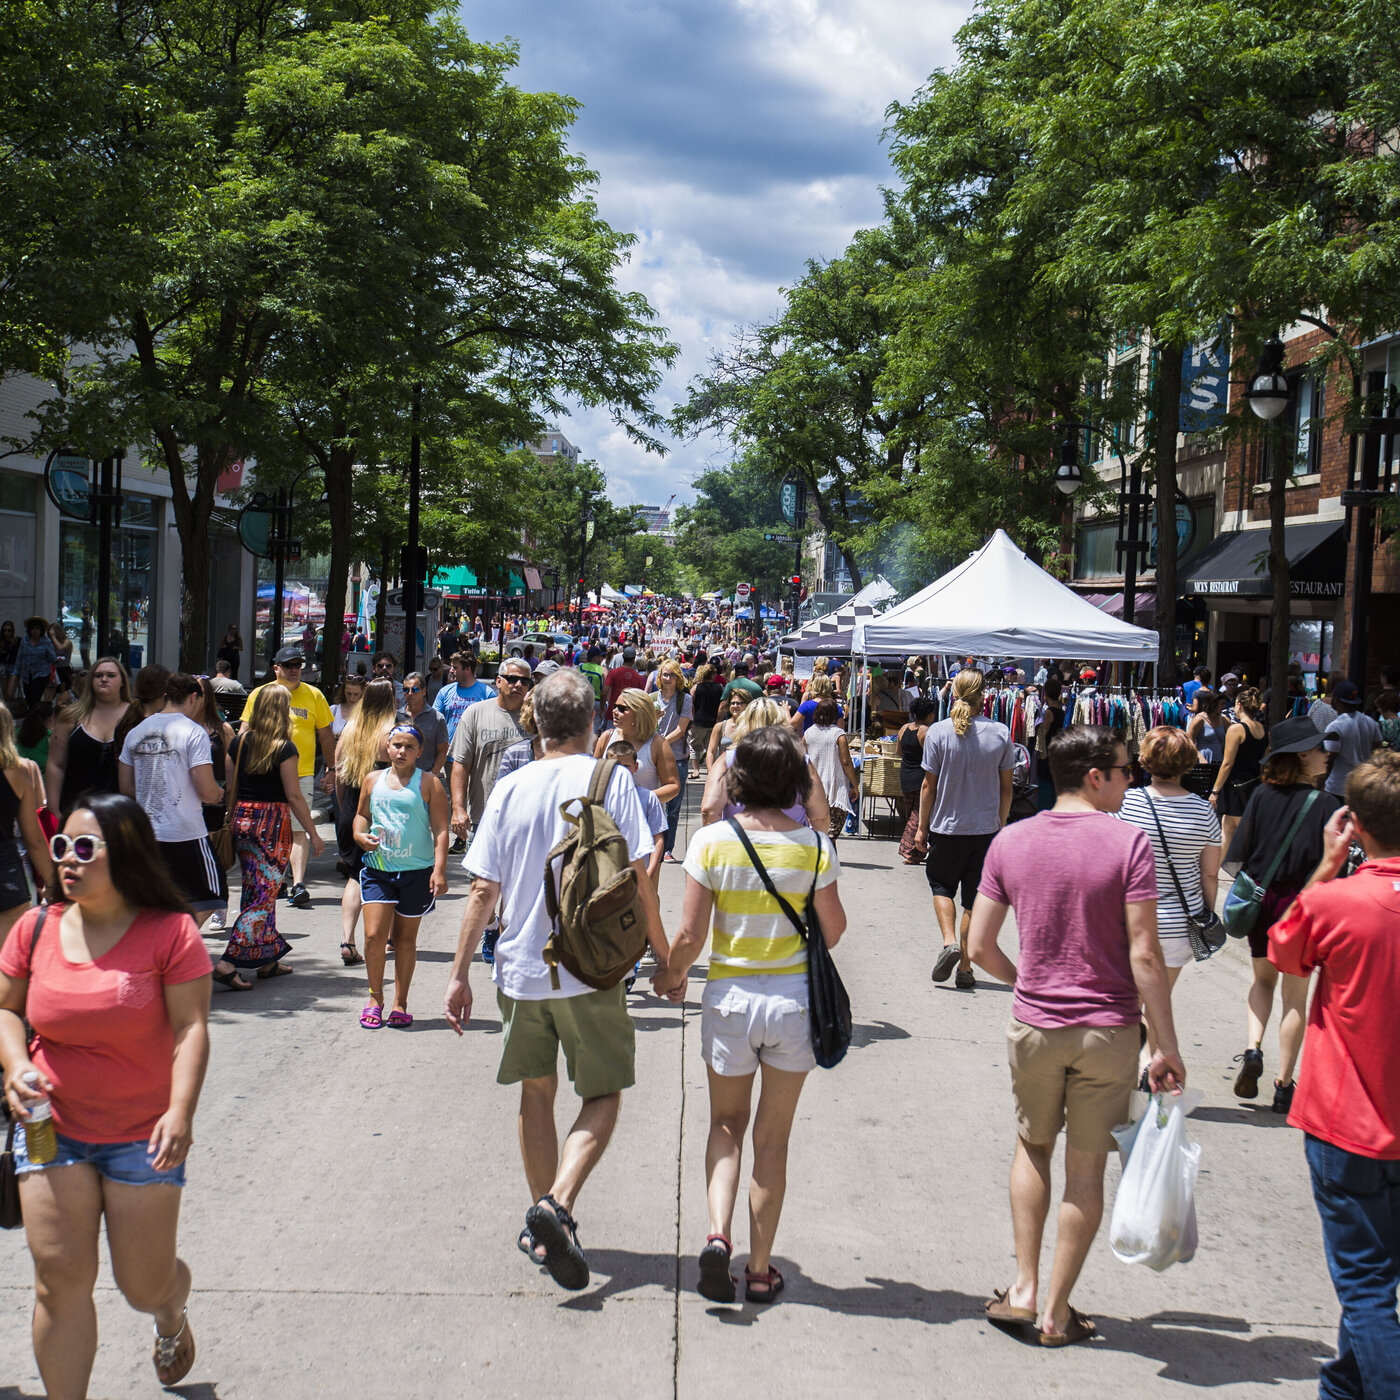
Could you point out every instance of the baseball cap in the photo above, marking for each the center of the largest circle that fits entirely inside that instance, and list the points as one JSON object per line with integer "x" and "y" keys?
{"x": 775, "y": 680}
{"x": 1346, "y": 693}
{"x": 629, "y": 653}
{"x": 1088, "y": 675}
{"x": 594, "y": 653}
{"x": 545, "y": 668}
{"x": 1228, "y": 676}
{"x": 290, "y": 656}
{"x": 1295, "y": 736}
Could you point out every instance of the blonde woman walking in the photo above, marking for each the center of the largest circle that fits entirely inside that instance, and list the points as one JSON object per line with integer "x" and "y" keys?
{"x": 964, "y": 802}
{"x": 363, "y": 747}
{"x": 19, "y": 803}
{"x": 82, "y": 748}
{"x": 716, "y": 804}
{"x": 635, "y": 714}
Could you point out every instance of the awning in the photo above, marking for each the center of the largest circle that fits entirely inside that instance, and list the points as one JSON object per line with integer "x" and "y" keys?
{"x": 532, "y": 577}
{"x": 1237, "y": 564}
{"x": 1144, "y": 607}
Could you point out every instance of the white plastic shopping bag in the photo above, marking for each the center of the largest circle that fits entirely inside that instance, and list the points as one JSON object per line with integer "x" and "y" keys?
{"x": 1154, "y": 1213}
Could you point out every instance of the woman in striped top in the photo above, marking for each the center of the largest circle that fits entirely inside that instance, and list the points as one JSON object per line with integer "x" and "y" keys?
{"x": 754, "y": 1009}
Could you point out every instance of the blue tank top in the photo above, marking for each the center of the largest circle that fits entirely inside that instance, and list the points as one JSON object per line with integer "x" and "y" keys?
{"x": 399, "y": 817}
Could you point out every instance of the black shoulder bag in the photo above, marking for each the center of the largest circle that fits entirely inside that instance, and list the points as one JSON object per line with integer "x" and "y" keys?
{"x": 11, "y": 1216}
{"x": 828, "y": 1006}
{"x": 1203, "y": 928}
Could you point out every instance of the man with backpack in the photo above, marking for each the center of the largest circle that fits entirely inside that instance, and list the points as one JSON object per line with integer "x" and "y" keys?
{"x": 578, "y": 910}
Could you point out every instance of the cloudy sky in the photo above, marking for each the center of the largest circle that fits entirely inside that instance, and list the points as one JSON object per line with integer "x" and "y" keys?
{"x": 736, "y": 139}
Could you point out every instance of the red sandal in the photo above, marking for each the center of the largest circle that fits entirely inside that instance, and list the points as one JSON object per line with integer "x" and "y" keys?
{"x": 762, "y": 1288}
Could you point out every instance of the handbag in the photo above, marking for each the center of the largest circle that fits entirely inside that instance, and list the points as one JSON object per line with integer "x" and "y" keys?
{"x": 221, "y": 841}
{"x": 11, "y": 1215}
{"x": 1204, "y": 930}
{"x": 828, "y": 1006}
{"x": 1245, "y": 898}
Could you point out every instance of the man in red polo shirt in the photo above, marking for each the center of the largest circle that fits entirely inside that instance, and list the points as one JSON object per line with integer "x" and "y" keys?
{"x": 620, "y": 678}
{"x": 1348, "y": 1098}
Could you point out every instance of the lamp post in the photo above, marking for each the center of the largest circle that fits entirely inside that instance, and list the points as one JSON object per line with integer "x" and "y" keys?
{"x": 1132, "y": 501}
{"x": 589, "y": 524}
{"x": 282, "y": 548}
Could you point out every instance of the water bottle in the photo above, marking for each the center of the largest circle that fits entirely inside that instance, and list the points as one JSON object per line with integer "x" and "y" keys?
{"x": 40, "y": 1143}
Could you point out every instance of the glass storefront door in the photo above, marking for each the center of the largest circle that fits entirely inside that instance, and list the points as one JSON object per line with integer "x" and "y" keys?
{"x": 128, "y": 630}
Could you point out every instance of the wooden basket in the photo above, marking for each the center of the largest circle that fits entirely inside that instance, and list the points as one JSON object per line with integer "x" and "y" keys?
{"x": 881, "y": 776}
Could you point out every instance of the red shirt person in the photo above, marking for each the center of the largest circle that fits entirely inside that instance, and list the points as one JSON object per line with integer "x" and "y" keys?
{"x": 1348, "y": 1096}
{"x": 620, "y": 678}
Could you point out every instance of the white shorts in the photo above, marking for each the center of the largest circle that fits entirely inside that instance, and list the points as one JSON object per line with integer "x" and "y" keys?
{"x": 748, "y": 1021}
{"x": 1176, "y": 949}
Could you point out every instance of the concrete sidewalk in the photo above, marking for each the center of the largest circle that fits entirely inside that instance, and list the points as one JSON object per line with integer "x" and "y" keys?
{"x": 354, "y": 1200}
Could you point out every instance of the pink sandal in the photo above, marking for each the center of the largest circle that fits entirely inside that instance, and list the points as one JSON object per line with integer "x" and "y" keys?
{"x": 372, "y": 1017}
{"x": 400, "y": 1018}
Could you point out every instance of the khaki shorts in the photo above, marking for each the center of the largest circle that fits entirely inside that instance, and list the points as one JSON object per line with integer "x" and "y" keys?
{"x": 595, "y": 1029}
{"x": 1074, "y": 1077}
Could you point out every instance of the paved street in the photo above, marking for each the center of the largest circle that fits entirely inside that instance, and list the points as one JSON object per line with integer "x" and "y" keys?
{"x": 354, "y": 1200}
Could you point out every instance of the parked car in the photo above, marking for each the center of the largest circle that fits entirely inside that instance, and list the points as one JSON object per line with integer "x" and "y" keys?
{"x": 541, "y": 641}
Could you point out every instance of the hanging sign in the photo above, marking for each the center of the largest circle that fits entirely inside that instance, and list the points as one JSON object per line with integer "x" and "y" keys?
{"x": 1205, "y": 383}
{"x": 68, "y": 483}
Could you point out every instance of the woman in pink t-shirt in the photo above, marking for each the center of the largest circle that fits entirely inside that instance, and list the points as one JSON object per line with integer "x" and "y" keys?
{"x": 115, "y": 983}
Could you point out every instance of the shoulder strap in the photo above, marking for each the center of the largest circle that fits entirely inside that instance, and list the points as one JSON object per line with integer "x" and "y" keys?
{"x": 602, "y": 776}
{"x": 1289, "y": 839}
{"x": 1166, "y": 850}
{"x": 38, "y": 929}
{"x": 767, "y": 879}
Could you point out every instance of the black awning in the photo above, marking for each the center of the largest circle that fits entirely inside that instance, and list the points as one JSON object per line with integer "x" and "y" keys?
{"x": 1237, "y": 564}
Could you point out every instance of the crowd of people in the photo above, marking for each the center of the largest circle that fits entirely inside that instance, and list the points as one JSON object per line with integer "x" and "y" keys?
{"x": 111, "y": 867}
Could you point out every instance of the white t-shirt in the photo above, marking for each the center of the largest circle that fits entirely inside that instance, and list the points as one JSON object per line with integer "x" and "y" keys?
{"x": 161, "y": 751}
{"x": 519, "y": 826}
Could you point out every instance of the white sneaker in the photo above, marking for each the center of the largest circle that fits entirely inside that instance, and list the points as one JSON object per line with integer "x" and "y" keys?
{"x": 216, "y": 920}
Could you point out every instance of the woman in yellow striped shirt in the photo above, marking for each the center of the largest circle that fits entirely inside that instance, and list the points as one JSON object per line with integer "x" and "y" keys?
{"x": 754, "y": 1009}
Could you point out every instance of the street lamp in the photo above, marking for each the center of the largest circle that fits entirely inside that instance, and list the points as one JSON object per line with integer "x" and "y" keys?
{"x": 1132, "y": 500}
{"x": 1268, "y": 391}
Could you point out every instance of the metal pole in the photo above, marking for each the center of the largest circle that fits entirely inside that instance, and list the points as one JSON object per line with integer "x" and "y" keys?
{"x": 410, "y": 586}
{"x": 104, "y": 556}
{"x": 282, "y": 512}
{"x": 1134, "y": 530}
{"x": 1364, "y": 536}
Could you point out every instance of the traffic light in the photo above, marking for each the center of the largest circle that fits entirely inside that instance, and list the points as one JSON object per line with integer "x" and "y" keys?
{"x": 796, "y": 582}
{"x": 413, "y": 564}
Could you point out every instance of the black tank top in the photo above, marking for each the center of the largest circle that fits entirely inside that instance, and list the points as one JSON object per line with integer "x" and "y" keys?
{"x": 91, "y": 767}
{"x": 911, "y": 754}
{"x": 9, "y": 811}
{"x": 1248, "y": 757}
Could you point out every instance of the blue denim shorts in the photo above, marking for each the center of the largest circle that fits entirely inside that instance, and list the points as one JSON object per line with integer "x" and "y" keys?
{"x": 126, "y": 1163}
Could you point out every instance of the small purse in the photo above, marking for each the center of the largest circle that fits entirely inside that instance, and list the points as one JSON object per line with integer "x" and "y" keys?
{"x": 828, "y": 1006}
{"x": 1245, "y": 898}
{"x": 1204, "y": 930}
{"x": 221, "y": 841}
{"x": 11, "y": 1214}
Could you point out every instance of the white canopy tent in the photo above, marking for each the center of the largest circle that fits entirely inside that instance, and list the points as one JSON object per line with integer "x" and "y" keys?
{"x": 998, "y": 603}
{"x": 842, "y": 619}
{"x": 610, "y": 595}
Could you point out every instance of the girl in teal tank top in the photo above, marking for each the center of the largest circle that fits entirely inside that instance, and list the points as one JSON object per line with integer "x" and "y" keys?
{"x": 401, "y": 825}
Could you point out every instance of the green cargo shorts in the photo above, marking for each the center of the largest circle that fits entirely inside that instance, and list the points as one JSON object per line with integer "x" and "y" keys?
{"x": 595, "y": 1029}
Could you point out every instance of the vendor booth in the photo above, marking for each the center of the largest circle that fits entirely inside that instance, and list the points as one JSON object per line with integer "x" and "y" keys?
{"x": 999, "y": 603}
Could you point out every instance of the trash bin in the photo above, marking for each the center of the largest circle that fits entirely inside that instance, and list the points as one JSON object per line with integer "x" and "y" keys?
{"x": 133, "y": 658}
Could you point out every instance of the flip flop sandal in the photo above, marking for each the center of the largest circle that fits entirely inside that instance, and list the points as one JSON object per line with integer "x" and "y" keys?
{"x": 1076, "y": 1330}
{"x": 716, "y": 1282}
{"x": 274, "y": 970}
{"x": 173, "y": 1357}
{"x": 557, "y": 1232}
{"x": 771, "y": 1284}
{"x": 350, "y": 955}
{"x": 525, "y": 1243}
{"x": 232, "y": 982}
{"x": 998, "y": 1309}
{"x": 399, "y": 1018}
{"x": 372, "y": 1017}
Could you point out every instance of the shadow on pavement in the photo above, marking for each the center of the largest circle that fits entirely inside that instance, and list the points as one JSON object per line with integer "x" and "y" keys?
{"x": 203, "y": 1390}
{"x": 1260, "y": 1116}
{"x": 876, "y": 1030}
{"x": 878, "y": 1297}
{"x": 1203, "y": 1349}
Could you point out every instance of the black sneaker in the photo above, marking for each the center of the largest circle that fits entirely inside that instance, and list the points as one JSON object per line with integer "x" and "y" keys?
{"x": 1283, "y": 1097}
{"x": 1144, "y": 1084}
{"x": 488, "y": 946}
{"x": 965, "y": 980}
{"x": 948, "y": 959}
{"x": 458, "y": 847}
{"x": 298, "y": 898}
{"x": 1247, "y": 1081}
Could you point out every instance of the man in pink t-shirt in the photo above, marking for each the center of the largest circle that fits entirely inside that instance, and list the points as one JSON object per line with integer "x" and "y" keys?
{"x": 1084, "y": 887}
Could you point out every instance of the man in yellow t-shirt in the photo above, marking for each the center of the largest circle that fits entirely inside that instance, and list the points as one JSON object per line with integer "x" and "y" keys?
{"x": 311, "y": 723}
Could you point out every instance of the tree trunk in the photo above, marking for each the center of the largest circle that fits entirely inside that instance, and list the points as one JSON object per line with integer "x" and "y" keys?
{"x": 192, "y": 515}
{"x": 340, "y": 505}
{"x": 849, "y": 556}
{"x": 1281, "y": 609}
{"x": 1167, "y": 423}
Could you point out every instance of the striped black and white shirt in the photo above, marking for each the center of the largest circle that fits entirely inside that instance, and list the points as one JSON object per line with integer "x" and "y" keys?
{"x": 1190, "y": 825}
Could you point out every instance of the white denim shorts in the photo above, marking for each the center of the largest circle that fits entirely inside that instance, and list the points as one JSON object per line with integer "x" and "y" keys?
{"x": 748, "y": 1021}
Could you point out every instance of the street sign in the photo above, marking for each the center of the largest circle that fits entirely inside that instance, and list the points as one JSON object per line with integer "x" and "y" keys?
{"x": 779, "y": 539}
{"x": 67, "y": 482}
{"x": 742, "y": 591}
{"x": 789, "y": 502}
{"x": 432, "y": 598}
{"x": 255, "y": 531}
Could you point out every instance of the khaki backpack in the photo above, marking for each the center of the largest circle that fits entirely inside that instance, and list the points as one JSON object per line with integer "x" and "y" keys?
{"x": 597, "y": 928}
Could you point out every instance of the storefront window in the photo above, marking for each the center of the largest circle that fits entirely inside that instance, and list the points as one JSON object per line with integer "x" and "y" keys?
{"x": 1310, "y": 645}
{"x": 128, "y": 634}
{"x": 1095, "y": 556}
{"x": 16, "y": 547}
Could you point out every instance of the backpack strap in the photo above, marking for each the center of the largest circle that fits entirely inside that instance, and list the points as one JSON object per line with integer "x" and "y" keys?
{"x": 602, "y": 776}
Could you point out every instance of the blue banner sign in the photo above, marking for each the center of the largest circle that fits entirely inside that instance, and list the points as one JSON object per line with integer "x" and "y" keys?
{"x": 1205, "y": 383}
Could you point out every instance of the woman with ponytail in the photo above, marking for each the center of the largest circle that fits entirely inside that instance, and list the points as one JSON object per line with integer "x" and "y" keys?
{"x": 964, "y": 802}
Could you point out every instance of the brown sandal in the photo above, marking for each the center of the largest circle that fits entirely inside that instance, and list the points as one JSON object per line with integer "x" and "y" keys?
{"x": 174, "y": 1356}
{"x": 1076, "y": 1330}
{"x": 999, "y": 1309}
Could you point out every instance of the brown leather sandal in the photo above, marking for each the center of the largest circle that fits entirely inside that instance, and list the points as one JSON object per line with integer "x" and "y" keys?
{"x": 999, "y": 1309}
{"x": 1077, "y": 1329}
{"x": 174, "y": 1356}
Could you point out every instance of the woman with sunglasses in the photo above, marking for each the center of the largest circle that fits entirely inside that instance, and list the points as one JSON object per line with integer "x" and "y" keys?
{"x": 83, "y": 749}
{"x": 401, "y": 826}
{"x": 115, "y": 982}
{"x": 262, "y": 766}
